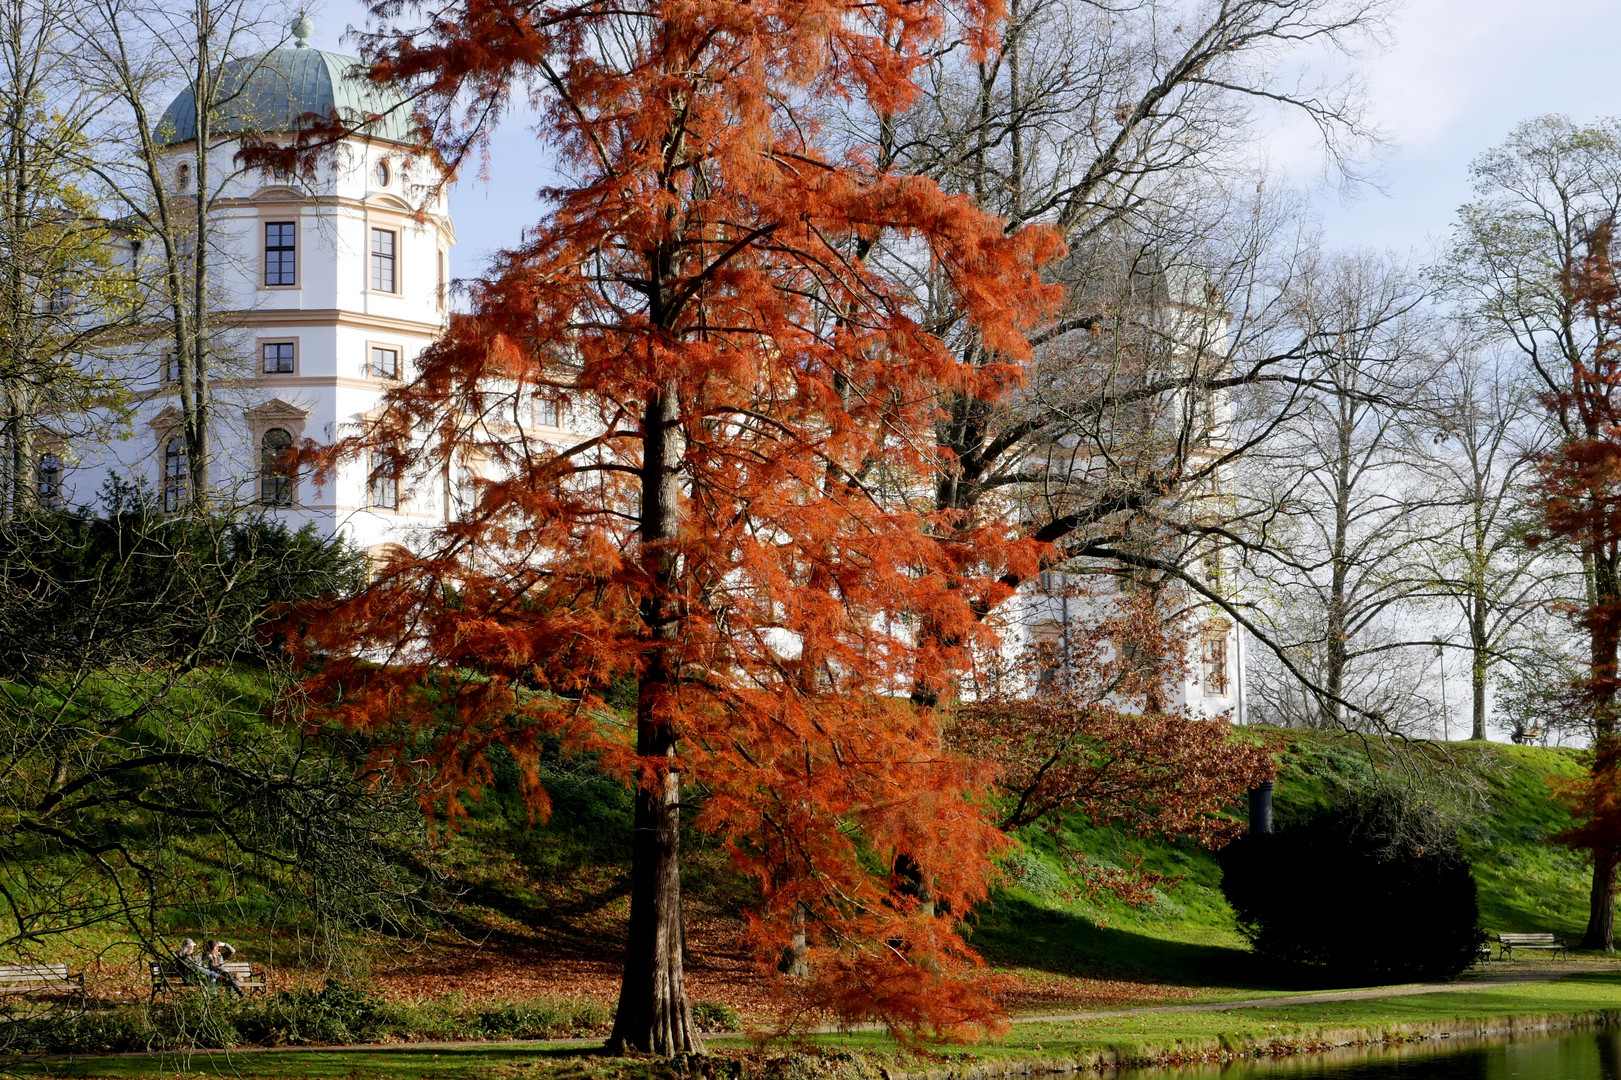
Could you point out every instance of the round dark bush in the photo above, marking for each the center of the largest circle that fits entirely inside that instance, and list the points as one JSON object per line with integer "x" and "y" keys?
{"x": 1373, "y": 889}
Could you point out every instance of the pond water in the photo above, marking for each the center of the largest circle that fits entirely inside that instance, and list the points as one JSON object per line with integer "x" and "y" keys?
{"x": 1591, "y": 1055}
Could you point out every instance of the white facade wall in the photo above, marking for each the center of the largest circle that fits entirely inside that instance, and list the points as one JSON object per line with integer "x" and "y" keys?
{"x": 331, "y": 315}
{"x": 1047, "y": 611}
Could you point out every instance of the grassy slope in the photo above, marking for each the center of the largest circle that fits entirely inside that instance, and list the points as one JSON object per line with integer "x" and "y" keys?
{"x": 1189, "y": 935}
{"x": 562, "y": 886}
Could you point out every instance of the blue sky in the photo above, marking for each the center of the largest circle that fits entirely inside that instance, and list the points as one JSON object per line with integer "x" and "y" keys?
{"x": 1455, "y": 77}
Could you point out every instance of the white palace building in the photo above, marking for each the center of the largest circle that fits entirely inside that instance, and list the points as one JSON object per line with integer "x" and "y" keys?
{"x": 329, "y": 288}
{"x": 327, "y": 291}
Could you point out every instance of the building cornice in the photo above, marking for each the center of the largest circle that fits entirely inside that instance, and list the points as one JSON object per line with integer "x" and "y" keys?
{"x": 259, "y": 318}
{"x": 266, "y": 200}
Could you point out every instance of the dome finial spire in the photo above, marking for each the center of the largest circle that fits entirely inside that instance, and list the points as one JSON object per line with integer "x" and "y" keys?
{"x": 302, "y": 28}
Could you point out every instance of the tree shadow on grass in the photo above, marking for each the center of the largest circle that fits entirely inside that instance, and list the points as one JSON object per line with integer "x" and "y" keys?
{"x": 1017, "y": 933}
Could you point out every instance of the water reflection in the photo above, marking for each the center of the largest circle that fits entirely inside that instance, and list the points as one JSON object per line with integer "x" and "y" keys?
{"x": 1585, "y": 1056}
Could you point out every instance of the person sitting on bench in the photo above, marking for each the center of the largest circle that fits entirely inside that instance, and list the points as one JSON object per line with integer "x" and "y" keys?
{"x": 215, "y": 954}
{"x": 192, "y": 965}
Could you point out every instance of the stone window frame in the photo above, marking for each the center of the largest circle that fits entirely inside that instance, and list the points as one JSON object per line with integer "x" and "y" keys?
{"x": 266, "y": 477}
{"x": 399, "y": 360}
{"x": 373, "y": 474}
{"x": 395, "y": 232}
{"x": 280, "y": 339}
{"x": 280, "y": 215}
{"x": 167, "y": 426}
{"x": 1213, "y": 639}
{"x": 275, "y": 413}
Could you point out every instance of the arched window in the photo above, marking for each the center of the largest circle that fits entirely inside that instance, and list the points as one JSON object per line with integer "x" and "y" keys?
{"x": 50, "y": 481}
{"x": 176, "y": 478}
{"x": 275, "y": 468}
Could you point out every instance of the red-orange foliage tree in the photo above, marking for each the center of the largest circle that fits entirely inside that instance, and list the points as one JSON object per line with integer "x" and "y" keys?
{"x": 1580, "y": 492}
{"x": 1084, "y": 727}
{"x": 733, "y": 532}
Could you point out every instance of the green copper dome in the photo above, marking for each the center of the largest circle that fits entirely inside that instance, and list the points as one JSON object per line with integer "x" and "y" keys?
{"x": 269, "y": 93}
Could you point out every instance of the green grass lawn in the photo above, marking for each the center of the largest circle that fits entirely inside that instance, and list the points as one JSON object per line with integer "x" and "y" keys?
{"x": 1135, "y": 1038}
{"x": 1156, "y": 1034}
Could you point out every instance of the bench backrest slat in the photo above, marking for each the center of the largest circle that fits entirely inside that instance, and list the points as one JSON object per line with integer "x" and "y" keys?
{"x": 1526, "y": 939}
{"x": 167, "y": 969}
{"x": 33, "y": 971}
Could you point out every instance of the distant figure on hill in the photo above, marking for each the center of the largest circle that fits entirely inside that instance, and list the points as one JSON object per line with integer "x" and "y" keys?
{"x": 1524, "y": 735}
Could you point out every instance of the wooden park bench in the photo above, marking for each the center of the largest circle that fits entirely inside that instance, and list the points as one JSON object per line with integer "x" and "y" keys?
{"x": 170, "y": 975}
{"x": 29, "y": 978}
{"x": 1509, "y": 942}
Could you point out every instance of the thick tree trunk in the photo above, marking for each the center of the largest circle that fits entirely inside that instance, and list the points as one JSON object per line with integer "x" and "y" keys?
{"x": 653, "y": 1015}
{"x": 1605, "y": 642}
{"x": 794, "y": 961}
{"x": 1600, "y": 933}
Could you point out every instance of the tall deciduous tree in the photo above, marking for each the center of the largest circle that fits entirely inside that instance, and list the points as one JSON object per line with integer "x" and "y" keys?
{"x": 1514, "y": 252}
{"x": 1581, "y": 509}
{"x": 1118, "y": 123}
{"x": 1336, "y": 513}
{"x": 1489, "y": 430}
{"x": 729, "y": 535}
{"x": 167, "y": 184}
{"x": 61, "y": 297}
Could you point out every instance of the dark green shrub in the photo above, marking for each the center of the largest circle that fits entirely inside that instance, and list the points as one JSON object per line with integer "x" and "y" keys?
{"x": 1372, "y": 889}
{"x": 102, "y": 1031}
{"x": 336, "y": 1013}
{"x": 81, "y": 590}
{"x": 541, "y": 1020}
{"x": 715, "y": 1016}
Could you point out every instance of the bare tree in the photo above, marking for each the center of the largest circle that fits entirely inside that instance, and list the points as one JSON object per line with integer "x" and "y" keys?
{"x": 1552, "y": 186}
{"x": 1334, "y": 513}
{"x": 61, "y": 294}
{"x": 170, "y": 178}
{"x": 1124, "y": 126}
{"x": 1488, "y": 429}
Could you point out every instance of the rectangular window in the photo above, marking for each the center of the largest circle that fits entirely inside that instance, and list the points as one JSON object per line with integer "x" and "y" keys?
{"x": 281, "y": 253}
{"x": 50, "y": 481}
{"x": 382, "y": 260}
{"x": 383, "y": 486}
{"x": 1215, "y": 665}
{"x": 385, "y": 363}
{"x": 548, "y": 413}
{"x": 278, "y": 358}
